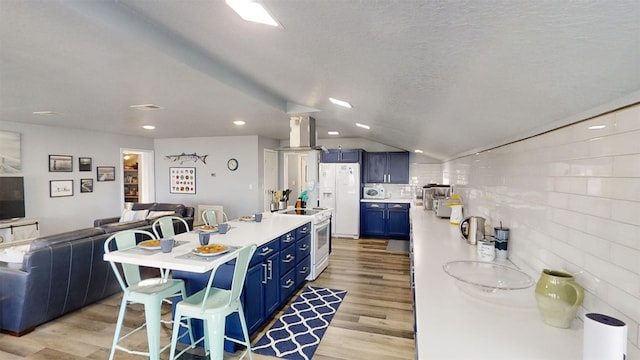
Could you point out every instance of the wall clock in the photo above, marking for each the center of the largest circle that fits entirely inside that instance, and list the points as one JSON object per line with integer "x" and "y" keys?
{"x": 232, "y": 164}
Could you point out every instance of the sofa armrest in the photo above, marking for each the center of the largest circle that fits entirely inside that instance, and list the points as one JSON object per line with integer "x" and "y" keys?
{"x": 110, "y": 220}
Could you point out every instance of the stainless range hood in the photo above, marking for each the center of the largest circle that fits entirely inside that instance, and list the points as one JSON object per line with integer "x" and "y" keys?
{"x": 302, "y": 134}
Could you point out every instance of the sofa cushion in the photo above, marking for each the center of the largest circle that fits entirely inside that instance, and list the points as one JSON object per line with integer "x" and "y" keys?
{"x": 65, "y": 236}
{"x": 156, "y": 214}
{"x": 119, "y": 226}
{"x": 133, "y": 215}
{"x": 142, "y": 206}
{"x": 176, "y": 208}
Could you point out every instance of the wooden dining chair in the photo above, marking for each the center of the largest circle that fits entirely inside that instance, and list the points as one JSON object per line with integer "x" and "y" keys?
{"x": 213, "y": 305}
{"x": 136, "y": 290}
{"x": 210, "y": 217}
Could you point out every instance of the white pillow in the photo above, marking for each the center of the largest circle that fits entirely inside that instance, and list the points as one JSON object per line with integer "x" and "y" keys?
{"x": 133, "y": 215}
{"x": 155, "y": 214}
{"x": 14, "y": 254}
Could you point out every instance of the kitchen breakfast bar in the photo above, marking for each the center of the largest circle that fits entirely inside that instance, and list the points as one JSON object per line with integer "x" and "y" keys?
{"x": 452, "y": 323}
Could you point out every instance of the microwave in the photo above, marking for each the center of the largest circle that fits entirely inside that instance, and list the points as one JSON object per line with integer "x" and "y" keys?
{"x": 373, "y": 192}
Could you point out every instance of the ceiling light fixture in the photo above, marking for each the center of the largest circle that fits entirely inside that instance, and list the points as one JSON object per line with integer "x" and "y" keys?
{"x": 145, "y": 107}
{"x": 239, "y": 122}
{"x": 418, "y": 151}
{"x": 363, "y": 126}
{"x": 597, "y": 127}
{"x": 341, "y": 103}
{"x": 333, "y": 133}
{"x": 148, "y": 127}
{"x": 45, "y": 113}
{"x": 250, "y": 10}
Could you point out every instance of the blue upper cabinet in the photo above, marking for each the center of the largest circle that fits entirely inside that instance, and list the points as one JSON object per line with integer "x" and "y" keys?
{"x": 386, "y": 167}
{"x": 342, "y": 156}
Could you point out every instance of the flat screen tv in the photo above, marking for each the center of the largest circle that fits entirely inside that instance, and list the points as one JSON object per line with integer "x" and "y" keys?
{"x": 11, "y": 197}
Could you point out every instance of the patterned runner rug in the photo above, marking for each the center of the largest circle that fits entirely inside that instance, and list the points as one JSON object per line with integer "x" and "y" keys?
{"x": 297, "y": 333}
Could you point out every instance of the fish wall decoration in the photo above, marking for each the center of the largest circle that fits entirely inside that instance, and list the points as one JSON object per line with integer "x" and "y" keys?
{"x": 187, "y": 157}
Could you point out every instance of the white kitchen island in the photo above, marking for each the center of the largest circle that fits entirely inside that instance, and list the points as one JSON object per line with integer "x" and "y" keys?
{"x": 456, "y": 324}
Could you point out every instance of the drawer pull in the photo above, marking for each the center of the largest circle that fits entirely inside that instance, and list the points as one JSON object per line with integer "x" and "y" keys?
{"x": 304, "y": 247}
{"x": 289, "y": 284}
{"x": 266, "y": 251}
{"x": 289, "y": 258}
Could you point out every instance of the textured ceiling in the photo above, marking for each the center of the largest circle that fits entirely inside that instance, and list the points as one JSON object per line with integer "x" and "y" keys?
{"x": 444, "y": 77}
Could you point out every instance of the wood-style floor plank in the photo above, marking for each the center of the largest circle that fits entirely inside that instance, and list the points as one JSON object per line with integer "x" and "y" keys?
{"x": 374, "y": 322}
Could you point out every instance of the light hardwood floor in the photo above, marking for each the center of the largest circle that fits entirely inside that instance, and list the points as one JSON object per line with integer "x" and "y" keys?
{"x": 375, "y": 320}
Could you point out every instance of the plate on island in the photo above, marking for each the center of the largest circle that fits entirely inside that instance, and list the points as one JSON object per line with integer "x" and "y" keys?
{"x": 210, "y": 250}
{"x": 150, "y": 244}
{"x": 247, "y": 218}
{"x": 209, "y": 228}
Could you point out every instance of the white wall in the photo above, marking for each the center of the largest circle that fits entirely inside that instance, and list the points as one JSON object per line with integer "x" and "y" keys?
{"x": 77, "y": 211}
{"x": 571, "y": 198}
{"x": 240, "y": 191}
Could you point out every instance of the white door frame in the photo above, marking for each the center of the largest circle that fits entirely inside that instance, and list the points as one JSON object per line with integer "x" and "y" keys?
{"x": 269, "y": 176}
{"x": 146, "y": 175}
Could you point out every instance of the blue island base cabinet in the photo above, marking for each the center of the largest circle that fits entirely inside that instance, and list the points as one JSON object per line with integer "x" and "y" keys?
{"x": 384, "y": 220}
{"x": 277, "y": 270}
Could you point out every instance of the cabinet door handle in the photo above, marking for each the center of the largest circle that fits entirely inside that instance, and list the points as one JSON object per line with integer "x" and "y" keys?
{"x": 374, "y": 205}
{"x": 289, "y": 284}
{"x": 389, "y": 176}
{"x": 266, "y": 251}
{"x": 270, "y": 269}
{"x": 397, "y": 206}
{"x": 264, "y": 273}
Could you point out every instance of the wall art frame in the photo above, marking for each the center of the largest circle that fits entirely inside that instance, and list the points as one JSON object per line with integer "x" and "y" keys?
{"x": 84, "y": 163}
{"x": 86, "y": 185}
{"x": 60, "y": 188}
{"x": 10, "y": 152}
{"x": 106, "y": 173}
{"x": 182, "y": 180}
{"x": 60, "y": 163}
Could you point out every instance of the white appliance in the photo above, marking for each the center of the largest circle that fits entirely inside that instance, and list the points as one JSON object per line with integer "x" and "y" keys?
{"x": 339, "y": 190}
{"x": 373, "y": 192}
{"x": 320, "y": 237}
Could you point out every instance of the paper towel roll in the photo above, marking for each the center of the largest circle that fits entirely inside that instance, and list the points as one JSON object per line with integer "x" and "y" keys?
{"x": 605, "y": 337}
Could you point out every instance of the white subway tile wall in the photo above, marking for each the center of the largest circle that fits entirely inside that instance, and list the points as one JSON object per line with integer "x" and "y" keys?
{"x": 571, "y": 198}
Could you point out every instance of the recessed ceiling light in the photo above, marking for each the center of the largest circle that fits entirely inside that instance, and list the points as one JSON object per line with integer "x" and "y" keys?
{"x": 146, "y": 107}
{"x": 250, "y": 10}
{"x": 333, "y": 133}
{"x": 597, "y": 127}
{"x": 340, "y": 103}
{"x": 239, "y": 122}
{"x": 363, "y": 126}
{"x": 45, "y": 113}
{"x": 418, "y": 151}
{"x": 148, "y": 127}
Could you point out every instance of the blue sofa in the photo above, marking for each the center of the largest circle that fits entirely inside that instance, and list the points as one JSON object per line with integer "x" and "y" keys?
{"x": 63, "y": 272}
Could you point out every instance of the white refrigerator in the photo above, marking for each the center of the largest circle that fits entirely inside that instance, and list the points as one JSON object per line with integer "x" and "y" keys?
{"x": 339, "y": 190}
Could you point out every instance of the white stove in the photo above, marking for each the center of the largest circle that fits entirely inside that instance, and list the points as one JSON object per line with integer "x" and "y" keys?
{"x": 320, "y": 236}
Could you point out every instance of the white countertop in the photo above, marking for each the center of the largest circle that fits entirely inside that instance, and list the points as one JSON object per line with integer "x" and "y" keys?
{"x": 241, "y": 233}
{"x": 453, "y": 324}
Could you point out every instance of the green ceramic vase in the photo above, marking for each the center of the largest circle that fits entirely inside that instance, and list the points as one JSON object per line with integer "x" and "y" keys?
{"x": 558, "y": 298}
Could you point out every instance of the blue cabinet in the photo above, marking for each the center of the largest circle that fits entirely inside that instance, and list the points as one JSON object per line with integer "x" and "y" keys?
{"x": 261, "y": 292}
{"x": 386, "y": 167}
{"x": 342, "y": 156}
{"x": 388, "y": 220}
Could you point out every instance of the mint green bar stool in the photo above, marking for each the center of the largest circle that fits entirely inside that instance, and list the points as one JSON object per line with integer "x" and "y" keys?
{"x": 163, "y": 228}
{"x": 213, "y": 305}
{"x": 148, "y": 292}
{"x": 209, "y": 217}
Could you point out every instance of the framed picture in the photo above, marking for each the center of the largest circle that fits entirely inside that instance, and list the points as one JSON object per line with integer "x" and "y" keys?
{"x": 60, "y": 188}
{"x": 60, "y": 163}
{"x": 10, "y": 153}
{"x": 106, "y": 173}
{"x": 84, "y": 163}
{"x": 182, "y": 180}
{"x": 86, "y": 185}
